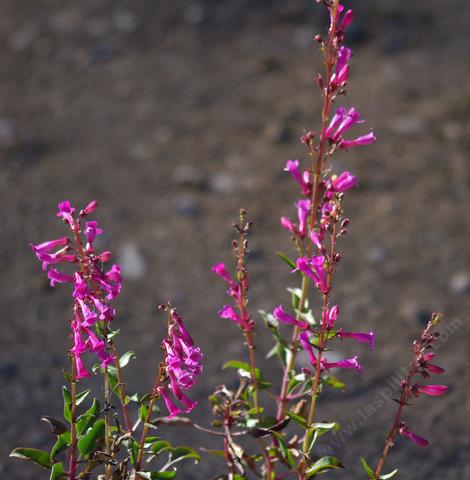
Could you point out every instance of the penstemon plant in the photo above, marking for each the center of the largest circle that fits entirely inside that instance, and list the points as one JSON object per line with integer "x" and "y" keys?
{"x": 268, "y": 428}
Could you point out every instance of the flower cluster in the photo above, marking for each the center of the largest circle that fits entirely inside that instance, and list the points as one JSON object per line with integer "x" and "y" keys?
{"x": 94, "y": 287}
{"x": 182, "y": 365}
{"x": 420, "y": 366}
{"x": 237, "y": 291}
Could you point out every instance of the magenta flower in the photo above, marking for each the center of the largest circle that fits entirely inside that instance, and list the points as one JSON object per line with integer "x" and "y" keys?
{"x": 420, "y": 441}
{"x": 432, "y": 390}
{"x": 283, "y": 317}
{"x": 343, "y": 183}
{"x": 227, "y": 311}
{"x": 288, "y": 225}
{"x": 66, "y": 212}
{"x": 92, "y": 286}
{"x": 303, "y": 179}
{"x": 171, "y": 407}
{"x": 314, "y": 269}
{"x": 56, "y": 277}
{"x": 221, "y": 271}
{"x": 182, "y": 364}
{"x": 364, "y": 140}
{"x": 347, "y": 20}
{"x": 350, "y": 363}
{"x": 303, "y": 211}
{"x": 340, "y": 77}
{"x": 315, "y": 237}
{"x": 90, "y": 208}
{"x": 358, "y": 336}
{"x": 331, "y": 316}
{"x": 304, "y": 339}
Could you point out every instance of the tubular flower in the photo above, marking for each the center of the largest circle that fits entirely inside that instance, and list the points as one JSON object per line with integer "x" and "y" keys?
{"x": 302, "y": 178}
{"x": 283, "y": 317}
{"x": 341, "y": 122}
{"x": 432, "y": 390}
{"x": 182, "y": 364}
{"x": 93, "y": 287}
{"x": 314, "y": 268}
{"x": 358, "y": 336}
{"x": 416, "y": 439}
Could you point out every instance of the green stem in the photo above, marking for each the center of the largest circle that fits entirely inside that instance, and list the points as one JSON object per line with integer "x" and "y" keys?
{"x": 73, "y": 427}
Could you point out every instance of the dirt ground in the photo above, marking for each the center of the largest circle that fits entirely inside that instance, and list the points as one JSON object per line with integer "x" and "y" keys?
{"x": 173, "y": 114}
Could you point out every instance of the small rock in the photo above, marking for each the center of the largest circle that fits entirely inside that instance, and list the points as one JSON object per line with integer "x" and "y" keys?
{"x": 222, "y": 183}
{"x": 125, "y": 21}
{"x": 8, "y": 370}
{"x": 408, "y": 125}
{"x": 194, "y": 13}
{"x": 376, "y": 255}
{"x": 8, "y": 133}
{"x": 278, "y": 133}
{"x": 459, "y": 283}
{"x": 131, "y": 261}
{"x": 190, "y": 176}
{"x": 186, "y": 206}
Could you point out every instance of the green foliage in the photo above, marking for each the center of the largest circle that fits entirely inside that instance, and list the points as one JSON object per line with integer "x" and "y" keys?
{"x": 87, "y": 443}
{"x": 371, "y": 474}
{"x": 40, "y": 457}
{"x": 323, "y": 465}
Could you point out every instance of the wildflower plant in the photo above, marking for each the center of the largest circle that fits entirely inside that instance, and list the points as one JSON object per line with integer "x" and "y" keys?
{"x": 268, "y": 427}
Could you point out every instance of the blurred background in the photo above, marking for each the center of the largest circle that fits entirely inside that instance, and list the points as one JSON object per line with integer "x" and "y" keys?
{"x": 173, "y": 114}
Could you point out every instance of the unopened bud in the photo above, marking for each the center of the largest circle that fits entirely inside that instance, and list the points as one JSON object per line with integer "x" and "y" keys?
{"x": 319, "y": 80}
{"x": 318, "y": 39}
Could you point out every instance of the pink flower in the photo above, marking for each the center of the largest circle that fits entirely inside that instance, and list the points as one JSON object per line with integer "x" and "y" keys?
{"x": 359, "y": 337}
{"x": 288, "y": 225}
{"x": 347, "y": 20}
{"x": 46, "y": 247}
{"x": 340, "y": 77}
{"x": 171, "y": 407}
{"x": 227, "y": 311}
{"x": 89, "y": 316}
{"x": 82, "y": 372}
{"x": 57, "y": 277}
{"x": 287, "y": 319}
{"x": 91, "y": 232}
{"x": 432, "y": 390}
{"x": 91, "y": 207}
{"x": 344, "y": 182}
{"x": 314, "y": 269}
{"x": 105, "y": 358}
{"x": 348, "y": 364}
{"x": 303, "y": 211}
{"x": 364, "y": 140}
{"x": 348, "y": 121}
{"x": 331, "y": 316}
{"x": 303, "y": 179}
{"x": 66, "y": 212}
{"x": 420, "y": 441}
{"x": 221, "y": 271}
{"x": 316, "y": 239}
{"x": 304, "y": 340}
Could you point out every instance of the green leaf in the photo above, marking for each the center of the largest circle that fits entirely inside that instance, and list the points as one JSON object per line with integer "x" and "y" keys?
{"x": 323, "y": 465}
{"x": 126, "y": 358}
{"x": 286, "y": 259}
{"x": 40, "y": 457}
{"x": 269, "y": 318}
{"x": 296, "y": 296}
{"x": 285, "y": 452}
{"x": 143, "y": 410}
{"x": 62, "y": 442}
{"x": 57, "y": 471}
{"x": 157, "y": 475}
{"x": 134, "y": 450}
{"x": 388, "y": 475}
{"x": 368, "y": 470}
{"x": 184, "y": 453}
{"x": 81, "y": 396}
{"x": 85, "y": 420}
{"x": 333, "y": 382}
{"x": 243, "y": 366}
{"x": 87, "y": 444}
{"x": 67, "y": 404}
{"x": 297, "y": 418}
{"x": 160, "y": 446}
